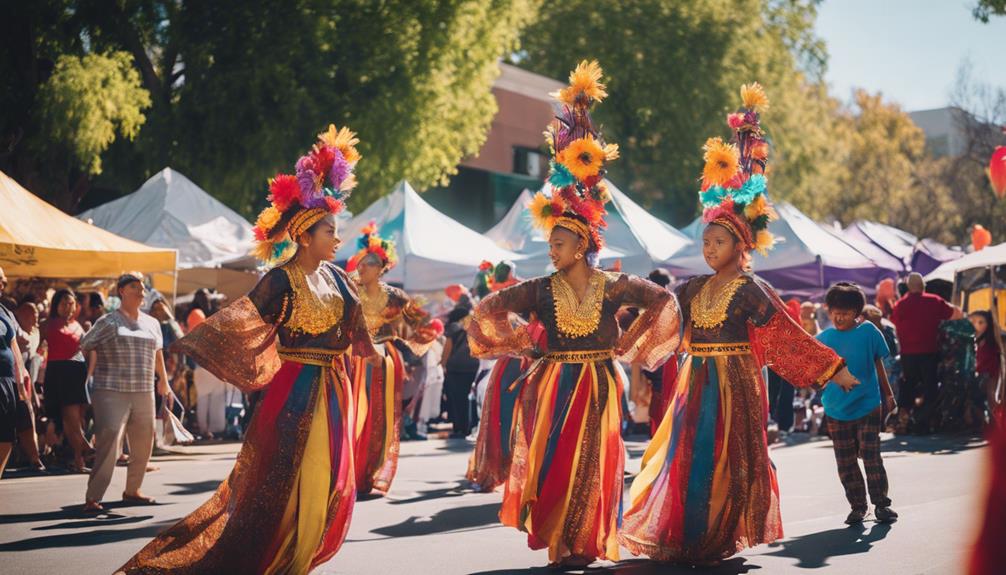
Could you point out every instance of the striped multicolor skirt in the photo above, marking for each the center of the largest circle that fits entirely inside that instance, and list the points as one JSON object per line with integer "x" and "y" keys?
{"x": 565, "y": 484}
{"x": 489, "y": 465}
{"x": 707, "y": 488}
{"x": 378, "y": 393}
{"x": 286, "y": 506}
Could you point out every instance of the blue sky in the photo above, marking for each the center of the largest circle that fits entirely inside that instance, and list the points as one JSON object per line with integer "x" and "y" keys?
{"x": 909, "y": 50}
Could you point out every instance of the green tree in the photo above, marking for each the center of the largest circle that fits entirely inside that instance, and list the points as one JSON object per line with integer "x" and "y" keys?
{"x": 985, "y": 9}
{"x": 239, "y": 88}
{"x": 673, "y": 72}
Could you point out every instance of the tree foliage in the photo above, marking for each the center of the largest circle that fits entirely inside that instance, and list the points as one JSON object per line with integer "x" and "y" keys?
{"x": 984, "y": 10}
{"x": 238, "y": 88}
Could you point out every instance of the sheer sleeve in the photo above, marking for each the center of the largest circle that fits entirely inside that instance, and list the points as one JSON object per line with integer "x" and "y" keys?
{"x": 493, "y": 331}
{"x": 655, "y": 334}
{"x": 781, "y": 344}
{"x": 354, "y": 324}
{"x": 235, "y": 344}
{"x": 271, "y": 296}
{"x": 420, "y": 336}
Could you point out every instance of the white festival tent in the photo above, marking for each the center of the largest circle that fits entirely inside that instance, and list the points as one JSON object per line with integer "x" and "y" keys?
{"x": 807, "y": 259}
{"x": 990, "y": 256}
{"x": 170, "y": 211}
{"x": 434, "y": 251}
{"x": 633, "y": 236}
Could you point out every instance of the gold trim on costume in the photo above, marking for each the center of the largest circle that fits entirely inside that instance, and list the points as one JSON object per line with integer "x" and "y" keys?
{"x": 580, "y": 356}
{"x": 373, "y": 309}
{"x": 574, "y": 225}
{"x": 578, "y": 318}
{"x": 303, "y": 220}
{"x": 309, "y": 355}
{"x": 709, "y": 310}
{"x": 714, "y": 349}
{"x": 311, "y": 313}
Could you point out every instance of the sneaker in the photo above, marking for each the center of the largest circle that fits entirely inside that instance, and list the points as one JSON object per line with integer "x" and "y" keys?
{"x": 855, "y": 517}
{"x": 886, "y": 514}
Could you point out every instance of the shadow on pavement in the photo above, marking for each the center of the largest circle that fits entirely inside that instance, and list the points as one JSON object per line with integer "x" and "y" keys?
{"x": 813, "y": 550}
{"x": 451, "y": 519}
{"x": 109, "y": 519}
{"x": 456, "y": 490}
{"x": 195, "y": 487}
{"x": 931, "y": 444}
{"x": 85, "y": 539}
{"x": 735, "y": 566}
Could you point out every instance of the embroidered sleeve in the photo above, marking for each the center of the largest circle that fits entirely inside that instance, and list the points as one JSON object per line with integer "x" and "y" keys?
{"x": 234, "y": 344}
{"x": 654, "y": 335}
{"x": 494, "y": 330}
{"x": 781, "y": 344}
{"x": 271, "y": 296}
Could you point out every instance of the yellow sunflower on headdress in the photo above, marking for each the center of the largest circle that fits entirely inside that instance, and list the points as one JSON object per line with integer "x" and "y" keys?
{"x": 344, "y": 140}
{"x": 583, "y": 157}
{"x": 542, "y": 211}
{"x": 585, "y": 80}
{"x": 722, "y": 162}
{"x": 754, "y": 98}
{"x": 764, "y": 241}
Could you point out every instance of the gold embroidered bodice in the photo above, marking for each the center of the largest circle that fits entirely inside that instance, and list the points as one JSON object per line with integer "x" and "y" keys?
{"x": 709, "y": 307}
{"x": 577, "y": 318}
{"x": 313, "y": 313}
{"x": 374, "y": 309}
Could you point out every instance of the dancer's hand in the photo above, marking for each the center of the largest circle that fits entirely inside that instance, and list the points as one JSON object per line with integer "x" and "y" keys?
{"x": 845, "y": 379}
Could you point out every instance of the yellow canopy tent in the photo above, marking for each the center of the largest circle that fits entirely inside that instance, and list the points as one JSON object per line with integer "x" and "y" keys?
{"x": 39, "y": 240}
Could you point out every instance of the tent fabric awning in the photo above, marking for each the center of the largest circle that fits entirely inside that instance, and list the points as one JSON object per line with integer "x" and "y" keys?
{"x": 39, "y": 240}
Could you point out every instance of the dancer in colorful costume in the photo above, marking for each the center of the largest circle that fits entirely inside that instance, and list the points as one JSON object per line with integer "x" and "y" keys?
{"x": 565, "y": 483}
{"x": 707, "y": 488}
{"x": 378, "y": 388}
{"x": 286, "y": 506}
{"x": 489, "y": 464}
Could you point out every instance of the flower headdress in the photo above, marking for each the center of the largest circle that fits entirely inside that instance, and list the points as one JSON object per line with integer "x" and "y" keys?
{"x": 734, "y": 188}
{"x": 370, "y": 242}
{"x": 320, "y": 185}
{"x": 576, "y": 194}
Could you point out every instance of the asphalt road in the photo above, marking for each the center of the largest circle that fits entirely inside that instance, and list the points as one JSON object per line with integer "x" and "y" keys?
{"x": 430, "y": 523}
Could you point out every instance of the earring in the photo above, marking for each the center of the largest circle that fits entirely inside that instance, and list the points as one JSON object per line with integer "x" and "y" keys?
{"x": 578, "y": 256}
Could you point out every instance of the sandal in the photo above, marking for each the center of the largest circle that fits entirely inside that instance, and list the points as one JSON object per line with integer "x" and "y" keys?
{"x": 93, "y": 507}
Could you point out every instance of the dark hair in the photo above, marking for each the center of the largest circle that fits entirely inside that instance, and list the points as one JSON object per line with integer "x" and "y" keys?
{"x": 201, "y": 301}
{"x": 57, "y": 298}
{"x": 989, "y": 320}
{"x": 94, "y": 299}
{"x": 458, "y": 313}
{"x": 846, "y": 296}
{"x": 661, "y": 277}
{"x": 902, "y": 288}
{"x": 502, "y": 271}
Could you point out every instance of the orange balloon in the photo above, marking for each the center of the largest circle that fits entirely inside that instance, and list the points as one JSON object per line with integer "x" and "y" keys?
{"x": 997, "y": 171}
{"x": 455, "y": 291}
{"x": 980, "y": 238}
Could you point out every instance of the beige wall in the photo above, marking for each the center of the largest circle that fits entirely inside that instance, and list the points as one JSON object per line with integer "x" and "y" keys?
{"x": 520, "y": 121}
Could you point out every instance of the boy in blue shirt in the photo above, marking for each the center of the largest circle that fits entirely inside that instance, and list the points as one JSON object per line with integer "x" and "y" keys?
{"x": 855, "y": 416}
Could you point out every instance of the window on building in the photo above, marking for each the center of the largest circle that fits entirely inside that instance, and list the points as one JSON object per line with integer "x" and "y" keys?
{"x": 528, "y": 161}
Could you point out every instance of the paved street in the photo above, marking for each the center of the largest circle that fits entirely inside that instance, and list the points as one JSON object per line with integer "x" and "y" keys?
{"x": 431, "y": 524}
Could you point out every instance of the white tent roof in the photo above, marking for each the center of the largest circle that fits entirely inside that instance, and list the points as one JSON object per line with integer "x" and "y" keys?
{"x": 170, "y": 211}
{"x": 633, "y": 236}
{"x": 990, "y": 256}
{"x": 434, "y": 251}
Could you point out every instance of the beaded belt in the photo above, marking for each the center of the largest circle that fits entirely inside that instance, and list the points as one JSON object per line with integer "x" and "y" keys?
{"x": 714, "y": 349}
{"x": 309, "y": 355}
{"x": 580, "y": 356}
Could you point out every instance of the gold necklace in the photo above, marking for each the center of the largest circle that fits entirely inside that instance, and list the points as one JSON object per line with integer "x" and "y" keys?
{"x": 573, "y": 317}
{"x": 313, "y": 314}
{"x": 373, "y": 308}
{"x": 709, "y": 307}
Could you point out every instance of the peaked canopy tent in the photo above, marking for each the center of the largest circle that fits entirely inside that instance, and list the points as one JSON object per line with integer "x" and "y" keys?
{"x": 434, "y": 251}
{"x": 807, "y": 260}
{"x": 931, "y": 254}
{"x": 39, "y": 240}
{"x": 633, "y": 236}
{"x": 898, "y": 243}
{"x": 170, "y": 211}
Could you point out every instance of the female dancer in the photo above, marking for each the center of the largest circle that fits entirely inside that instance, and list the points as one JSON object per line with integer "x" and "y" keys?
{"x": 378, "y": 388}
{"x": 287, "y": 504}
{"x": 565, "y": 481}
{"x": 707, "y": 488}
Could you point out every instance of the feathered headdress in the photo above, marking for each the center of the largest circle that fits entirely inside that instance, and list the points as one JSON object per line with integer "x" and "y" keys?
{"x": 320, "y": 185}
{"x": 576, "y": 195}
{"x": 370, "y": 242}
{"x": 734, "y": 189}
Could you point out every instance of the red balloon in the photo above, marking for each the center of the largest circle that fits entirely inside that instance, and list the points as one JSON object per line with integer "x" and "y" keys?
{"x": 980, "y": 237}
{"x": 997, "y": 171}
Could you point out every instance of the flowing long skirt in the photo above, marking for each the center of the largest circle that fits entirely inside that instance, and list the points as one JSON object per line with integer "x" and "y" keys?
{"x": 707, "y": 488}
{"x": 565, "y": 484}
{"x": 378, "y": 391}
{"x": 286, "y": 506}
{"x": 489, "y": 464}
